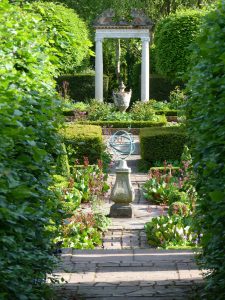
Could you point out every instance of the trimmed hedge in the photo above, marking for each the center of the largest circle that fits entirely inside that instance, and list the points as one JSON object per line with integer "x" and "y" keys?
{"x": 171, "y": 112}
{"x": 162, "y": 169}
{"x": 160, "y": 86}
{"x": 126, "y": 124}
{"x": 158, "y": 144}
{"x": 83, "y": 141}
{"x": 81, "y": 86}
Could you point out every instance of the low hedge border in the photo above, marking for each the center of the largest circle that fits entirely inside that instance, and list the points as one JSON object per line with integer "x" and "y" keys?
{"x": 126, "y": 124}
{"x": 83, "y": 141}
{"x": 172, "y": 112}
{"x": 162, "y": 169}
{"x": 162, "y": 143}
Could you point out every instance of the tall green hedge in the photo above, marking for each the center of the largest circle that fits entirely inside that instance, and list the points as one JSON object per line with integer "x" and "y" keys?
{"x": 160, "y": 86}
{"x": 28, "y": 144}
{"x": 173, "y": 36}
{"x": 82, "y": 86}
{"x": 67, "y": 33}
{"x": 83, "y": 141}
{"x": 162, "y": 143}
{"x": 206, "y": 111}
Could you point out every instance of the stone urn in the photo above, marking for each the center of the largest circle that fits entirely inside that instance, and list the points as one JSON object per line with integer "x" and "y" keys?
{"x": 121, "y": 98}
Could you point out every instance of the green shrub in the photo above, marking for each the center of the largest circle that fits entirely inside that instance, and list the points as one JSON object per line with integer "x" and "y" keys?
{"x": 178, "y": 208}
{"x": 28, "y": 145}
{"x": 127, "y": 124}
{"x": 81, "y": 86}
{"x": 83, "y": 141}
{"x": 66, "y": 31}
{"x": 206, "y": 126}
{"x": 173, "y": 36}
{"x": 171, "y": 112}
{"x": 166, "y": 143}
{"x": 177, "y": 99}
{"x": 142, "y": 111}
{"x": 100, "y": 111}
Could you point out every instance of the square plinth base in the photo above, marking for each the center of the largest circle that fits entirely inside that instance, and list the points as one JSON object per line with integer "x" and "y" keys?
{"x": 121, "y": 211}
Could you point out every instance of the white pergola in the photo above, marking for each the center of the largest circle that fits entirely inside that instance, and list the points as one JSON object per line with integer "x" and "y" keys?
{"x": 140, "y": 28}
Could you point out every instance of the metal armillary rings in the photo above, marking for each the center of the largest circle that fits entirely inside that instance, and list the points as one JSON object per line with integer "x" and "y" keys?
{"x": 122, "y": 144}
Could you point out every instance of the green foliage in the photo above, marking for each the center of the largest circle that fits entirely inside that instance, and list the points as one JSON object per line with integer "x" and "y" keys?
{"x": 155, "y": 9}
{"x": 90, "y": 180}
{"x": 175, "y": 230}
{"x": 206, "y": 125}
{"x": 162, "y": 143}
{"x": 83, "y": 141}
{"x": 127, "y": 124}
{"x": 177, "y": 98}
{"x": 100, "y": 111}
{"x": 77, "y": 106}
{"x": 173, "y": 37}
{"x": 81, "y": 87}
{"x": 142, "y": 111}
{"x": 28, "y": 142}
{"x": 167, "y": 185}
{"x": 68, "y": 195}
{"x": 66, "y": 31}
{"x": 80, "y": 231}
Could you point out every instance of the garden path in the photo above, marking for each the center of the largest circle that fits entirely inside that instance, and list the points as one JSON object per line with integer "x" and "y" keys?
{"x": 126, "y": 267}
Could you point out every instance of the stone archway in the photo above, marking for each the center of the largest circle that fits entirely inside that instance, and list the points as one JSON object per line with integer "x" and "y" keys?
{"x": 105, "y": 27}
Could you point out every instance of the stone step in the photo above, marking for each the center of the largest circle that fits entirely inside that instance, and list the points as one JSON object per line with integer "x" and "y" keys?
{"x": 130, "y": 274}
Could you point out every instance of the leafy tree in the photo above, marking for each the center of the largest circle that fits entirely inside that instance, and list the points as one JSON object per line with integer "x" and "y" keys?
{"x": 155, "y": 9}
{"x": 206, "y": 111}
{"x": 28, "y": 144}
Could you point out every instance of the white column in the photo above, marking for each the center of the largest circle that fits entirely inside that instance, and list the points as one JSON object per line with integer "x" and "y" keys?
{"x": 98, "y": 69}
{"x": 145, "y": 70}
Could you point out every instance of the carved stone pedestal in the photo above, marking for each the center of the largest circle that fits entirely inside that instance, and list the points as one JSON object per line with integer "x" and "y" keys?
{"x": 122, "y": 193}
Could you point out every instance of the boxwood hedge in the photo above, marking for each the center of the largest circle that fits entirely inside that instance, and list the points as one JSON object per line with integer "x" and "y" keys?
{"x": 83, "y": 141}
{"x": 127, "y": 124}
{"x": 159, "y": 144}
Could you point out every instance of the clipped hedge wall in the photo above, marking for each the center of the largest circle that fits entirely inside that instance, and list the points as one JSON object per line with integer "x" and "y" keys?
{"x": 171, "y": 112}
{"x": 127, "y": 124}
{"x": 159, "y": 144}
{"x": 81, "y": 86}
{"x": 83, "y": 140}
{"x": 160, "y": 86}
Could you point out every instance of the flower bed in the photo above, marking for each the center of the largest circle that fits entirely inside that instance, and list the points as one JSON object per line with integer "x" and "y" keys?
{"x": 172, "y": 189}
